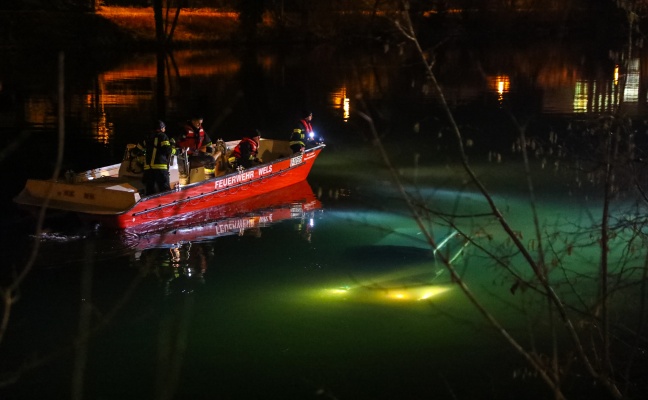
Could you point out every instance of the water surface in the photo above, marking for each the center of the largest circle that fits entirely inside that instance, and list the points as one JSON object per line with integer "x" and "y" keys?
{"x": 347, "y": 300}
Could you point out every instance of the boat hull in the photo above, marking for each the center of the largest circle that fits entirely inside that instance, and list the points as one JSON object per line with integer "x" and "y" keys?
{"x": 232, "y": 187}
{"x": 216, "y": 191}
{"x": 236, "y": 218}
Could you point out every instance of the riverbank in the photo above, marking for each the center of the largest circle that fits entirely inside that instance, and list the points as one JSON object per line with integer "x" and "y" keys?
{"x": 110, "y": 27}
{"x": 133, "y": 28}
{"x": 203, "y": 25}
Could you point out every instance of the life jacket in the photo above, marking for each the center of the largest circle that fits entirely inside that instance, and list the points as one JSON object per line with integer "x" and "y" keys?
{"x": 308, "y": 128}
{"x": 193, "y": 139}
{"x": 254, "y": 148}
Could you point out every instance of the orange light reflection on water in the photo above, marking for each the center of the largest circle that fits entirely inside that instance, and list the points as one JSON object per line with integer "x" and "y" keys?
{"x": 500, "y": 84}
{"x": 340, "y": 101}
{"x": 133, "y": 85}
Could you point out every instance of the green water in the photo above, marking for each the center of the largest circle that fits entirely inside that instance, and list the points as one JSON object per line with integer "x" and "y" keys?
{"x": 346, "y": 302}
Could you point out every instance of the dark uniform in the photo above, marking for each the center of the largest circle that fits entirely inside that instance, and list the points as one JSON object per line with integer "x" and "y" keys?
{"x": 157, "y": 150}
{"x": 300, "y": 135}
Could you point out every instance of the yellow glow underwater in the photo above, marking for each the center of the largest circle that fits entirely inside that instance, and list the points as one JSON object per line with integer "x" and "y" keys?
{"x": 383, "y": 295}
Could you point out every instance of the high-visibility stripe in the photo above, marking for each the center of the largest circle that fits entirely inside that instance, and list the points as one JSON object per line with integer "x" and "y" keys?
{"x": 156, "y": 166}
{"x": 152, "y": 164}
{"x": 155, "y": 144}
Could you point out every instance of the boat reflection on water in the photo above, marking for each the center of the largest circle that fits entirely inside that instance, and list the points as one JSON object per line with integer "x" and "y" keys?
{"x": 180, "y": 249}
{"x": 239, "y": 218}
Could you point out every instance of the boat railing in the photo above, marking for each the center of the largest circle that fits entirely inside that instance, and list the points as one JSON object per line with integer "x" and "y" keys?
{"x": 131, "y": 167}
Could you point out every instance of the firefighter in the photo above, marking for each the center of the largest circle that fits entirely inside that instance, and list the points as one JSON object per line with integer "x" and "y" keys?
{"x": 157, "y": 151}
{"x": 303, "y": 133}
{"x": 246, "y": 152}
{"x": 196, "y": 144}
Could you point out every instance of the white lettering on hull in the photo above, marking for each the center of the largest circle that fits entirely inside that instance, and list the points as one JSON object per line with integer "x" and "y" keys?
{"x": 243, "y": 177}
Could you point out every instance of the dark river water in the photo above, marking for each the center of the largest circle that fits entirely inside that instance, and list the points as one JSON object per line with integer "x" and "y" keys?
{"x": 344, "y": 300}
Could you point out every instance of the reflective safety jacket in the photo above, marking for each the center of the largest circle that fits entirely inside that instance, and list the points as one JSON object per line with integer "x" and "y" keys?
{"x": 157, "y": 150}
{"x": 194, "y": 139}
{"x": 299, "y": 134}
{"x": 246, "y": 149}
{"x": 297, "y": 138}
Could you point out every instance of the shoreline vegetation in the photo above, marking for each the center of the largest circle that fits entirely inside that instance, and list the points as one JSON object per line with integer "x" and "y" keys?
{"x": 112, "y": 27}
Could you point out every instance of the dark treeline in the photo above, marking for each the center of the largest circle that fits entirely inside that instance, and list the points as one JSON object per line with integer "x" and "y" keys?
{"x": 297, "y": 5}
{"x": 72, "y": 21}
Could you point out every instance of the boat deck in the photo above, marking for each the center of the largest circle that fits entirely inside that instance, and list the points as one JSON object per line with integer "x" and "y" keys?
{"x": 105, "y": 195}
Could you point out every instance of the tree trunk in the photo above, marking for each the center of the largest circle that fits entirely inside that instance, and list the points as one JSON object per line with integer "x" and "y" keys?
{"x": 159, "y": 22}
